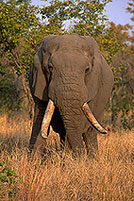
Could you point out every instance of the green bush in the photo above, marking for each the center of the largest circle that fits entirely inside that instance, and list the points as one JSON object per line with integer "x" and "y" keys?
{"x": 9, "y": 178}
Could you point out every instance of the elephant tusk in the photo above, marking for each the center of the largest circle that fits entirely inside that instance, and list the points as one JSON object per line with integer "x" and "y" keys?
{"x": 47, "y": 119}
{"x": 92, "y": 119}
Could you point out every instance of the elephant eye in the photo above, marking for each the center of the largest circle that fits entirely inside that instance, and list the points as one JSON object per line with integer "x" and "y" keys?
{"x": 50, "y": 67}
{"x": 87, "y": 69}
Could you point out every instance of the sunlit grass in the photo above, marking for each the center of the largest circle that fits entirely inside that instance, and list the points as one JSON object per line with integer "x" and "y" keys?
{"x": 58, "y": 176}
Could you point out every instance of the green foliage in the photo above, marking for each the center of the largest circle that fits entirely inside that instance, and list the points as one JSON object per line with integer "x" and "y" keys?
{"x": 113, "y": 39}
{"x": 19, "y": 26}
{"x": 9, "y": 100}
{"x": 115, "y": 48}
{"x": 10, "y": 178}
{"x": 85, "y": 17}
{"x": 16, "y": 20}
{"x": 122, "y": 100}
{"x": 130, "y": 8}
{"x": 122, "y": 66}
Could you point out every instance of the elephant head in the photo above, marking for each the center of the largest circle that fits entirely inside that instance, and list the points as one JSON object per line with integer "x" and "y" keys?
{"x": 72, "y": 77}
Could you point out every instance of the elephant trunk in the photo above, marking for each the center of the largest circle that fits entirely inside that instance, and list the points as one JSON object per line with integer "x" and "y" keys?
{"x": 70, "y": 108}
{"x": 72, "y": 117}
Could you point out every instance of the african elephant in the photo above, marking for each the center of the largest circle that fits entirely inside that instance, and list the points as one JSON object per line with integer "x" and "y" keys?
{"x": 70, "y": 82}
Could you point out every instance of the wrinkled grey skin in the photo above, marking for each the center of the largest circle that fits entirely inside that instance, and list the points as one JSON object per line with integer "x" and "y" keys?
{"x": 70, "y": 70}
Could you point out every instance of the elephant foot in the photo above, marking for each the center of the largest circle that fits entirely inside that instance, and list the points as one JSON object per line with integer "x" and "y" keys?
{"x": 39, "y": 146}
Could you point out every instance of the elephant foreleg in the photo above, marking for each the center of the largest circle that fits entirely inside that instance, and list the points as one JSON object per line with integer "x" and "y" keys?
{"x": 74, "y": 141}
{"x": 39, "y": 110}
{"x": 90, "y": 139}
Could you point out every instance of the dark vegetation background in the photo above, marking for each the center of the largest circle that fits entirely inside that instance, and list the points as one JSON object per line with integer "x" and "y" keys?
{"x": 22, "y": 28}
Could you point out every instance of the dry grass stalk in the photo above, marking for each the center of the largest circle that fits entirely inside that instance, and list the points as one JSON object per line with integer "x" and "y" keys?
{"x": 57, "y": 176}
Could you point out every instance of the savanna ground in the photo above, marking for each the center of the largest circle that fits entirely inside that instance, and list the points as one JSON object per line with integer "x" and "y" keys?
{"x": 58, "y": 177}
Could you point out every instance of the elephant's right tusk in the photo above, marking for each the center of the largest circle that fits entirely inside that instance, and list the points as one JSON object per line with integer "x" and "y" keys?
{"x": 92, "y": 119}
{"x": 47, "y": 119}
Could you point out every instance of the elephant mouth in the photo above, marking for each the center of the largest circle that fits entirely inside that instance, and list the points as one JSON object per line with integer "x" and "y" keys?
{"x": 85, "y": 108}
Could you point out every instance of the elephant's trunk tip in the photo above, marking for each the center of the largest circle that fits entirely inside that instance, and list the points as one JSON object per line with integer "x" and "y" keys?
{"x": 92, "y": 119}
{"x": 47, "y": 119}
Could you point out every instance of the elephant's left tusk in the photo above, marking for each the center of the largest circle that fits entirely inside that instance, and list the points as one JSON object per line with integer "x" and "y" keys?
{"x": 92, "y": 119}
{"x": 47, "y": 119}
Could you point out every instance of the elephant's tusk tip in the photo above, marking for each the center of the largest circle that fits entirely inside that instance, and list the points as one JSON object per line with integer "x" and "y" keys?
{"x": 92, "y": 119}
{"x": 44, "y": 135}
{"x": 104, "y": 131}
{"x": 101, "y": 130}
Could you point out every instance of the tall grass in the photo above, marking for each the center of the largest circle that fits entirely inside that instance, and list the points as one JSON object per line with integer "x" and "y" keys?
{"x": 58, "y": 176}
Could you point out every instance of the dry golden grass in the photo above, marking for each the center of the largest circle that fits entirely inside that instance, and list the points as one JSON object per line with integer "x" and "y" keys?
{"x": 58, "y": 177}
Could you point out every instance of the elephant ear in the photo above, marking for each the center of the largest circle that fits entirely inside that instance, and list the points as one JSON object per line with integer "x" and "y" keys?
{"x": 37, "y": 78}
{"x": 100, "y": 80}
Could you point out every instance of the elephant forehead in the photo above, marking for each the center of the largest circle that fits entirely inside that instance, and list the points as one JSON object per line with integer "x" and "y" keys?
{"x": 67, "y": 42}
{"x": 69, "y": 58}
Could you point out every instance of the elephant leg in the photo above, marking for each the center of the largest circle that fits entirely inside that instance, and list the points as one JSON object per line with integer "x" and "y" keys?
{"x": 90, "y": 139}
{"x": 75, "y": 143}
{"x": 36, "y": 138}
